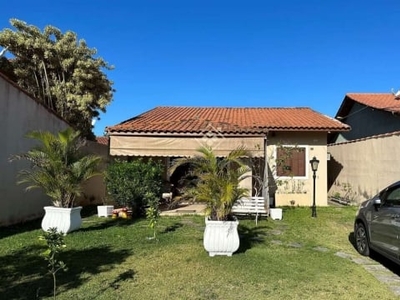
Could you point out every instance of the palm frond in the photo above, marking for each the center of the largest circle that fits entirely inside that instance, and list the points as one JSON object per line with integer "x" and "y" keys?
{"x": 57, "y": 165}
{"x": 217, "y": 179}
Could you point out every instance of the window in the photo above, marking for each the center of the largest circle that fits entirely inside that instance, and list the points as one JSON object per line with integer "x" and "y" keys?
{"x": 291, "y": 161}
{"x": 391, "y": 197}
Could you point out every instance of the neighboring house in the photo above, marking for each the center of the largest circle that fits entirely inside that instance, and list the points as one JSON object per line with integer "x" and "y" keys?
{"x": 367, "y": 115}
{"x": 364, "y": 160}
{"x": 103, "y": 140}
{"x": 166, "y": 133}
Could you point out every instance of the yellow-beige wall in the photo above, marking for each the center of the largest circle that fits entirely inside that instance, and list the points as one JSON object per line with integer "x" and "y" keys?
{"x": 94, "y": 190}
{"x": 301, "y": 190}
{"x": 366, "y": 166}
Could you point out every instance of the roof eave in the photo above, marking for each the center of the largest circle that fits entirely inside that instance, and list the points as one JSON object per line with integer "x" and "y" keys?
{"x": 259, "y": 133}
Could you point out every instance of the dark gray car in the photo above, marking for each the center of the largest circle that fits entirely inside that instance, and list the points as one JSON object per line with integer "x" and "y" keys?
{"x": 377, "y": 224}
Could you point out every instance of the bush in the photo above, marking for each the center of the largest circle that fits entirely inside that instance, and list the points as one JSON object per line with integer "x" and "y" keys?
{"x": 134, "y": 184}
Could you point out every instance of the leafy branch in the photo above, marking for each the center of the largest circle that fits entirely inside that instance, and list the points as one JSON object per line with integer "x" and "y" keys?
{"x": 55, "y": 243}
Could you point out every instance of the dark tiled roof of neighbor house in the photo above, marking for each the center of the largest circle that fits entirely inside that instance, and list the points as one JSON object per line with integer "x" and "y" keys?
{"x": 228, "y": 120}
{"x": 382, "y": 101}
{"x": 102, "y": 140}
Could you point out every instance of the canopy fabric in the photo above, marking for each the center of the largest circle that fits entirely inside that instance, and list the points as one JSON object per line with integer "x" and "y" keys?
{"x": 125, "y": 145}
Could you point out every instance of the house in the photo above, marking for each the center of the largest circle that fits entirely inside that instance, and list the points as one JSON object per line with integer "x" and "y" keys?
{"x": 364, "y": 160}
{"x": 367, "y": 114}
{"x": 165, "y": 133}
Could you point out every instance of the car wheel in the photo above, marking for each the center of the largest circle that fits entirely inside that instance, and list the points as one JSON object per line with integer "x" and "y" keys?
{"x": 361, "y": 239}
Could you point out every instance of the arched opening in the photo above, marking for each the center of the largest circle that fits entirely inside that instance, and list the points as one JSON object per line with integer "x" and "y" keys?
{"x": 181, "y": 180}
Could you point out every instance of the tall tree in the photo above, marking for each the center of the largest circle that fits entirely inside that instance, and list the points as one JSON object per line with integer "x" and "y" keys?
{"x": 59, "y": 70}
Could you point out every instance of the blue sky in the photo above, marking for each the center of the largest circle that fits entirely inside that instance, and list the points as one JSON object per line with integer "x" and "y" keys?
{"x": 285, "y": 53}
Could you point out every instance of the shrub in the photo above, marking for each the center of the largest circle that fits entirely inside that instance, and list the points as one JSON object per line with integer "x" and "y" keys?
{"x": 134, "y": 183}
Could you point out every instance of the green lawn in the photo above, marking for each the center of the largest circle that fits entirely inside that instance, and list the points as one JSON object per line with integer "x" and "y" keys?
{"x": 113, "y": 259}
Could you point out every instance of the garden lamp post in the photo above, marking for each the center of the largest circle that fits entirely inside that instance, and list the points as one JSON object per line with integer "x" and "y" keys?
{"x": 314, "y": 167}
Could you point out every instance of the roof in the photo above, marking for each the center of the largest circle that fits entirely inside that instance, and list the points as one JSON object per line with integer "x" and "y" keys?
{"x": 228, "y": 120}
{"x": 382, "y": 101}
{"x": 102, "y": 140}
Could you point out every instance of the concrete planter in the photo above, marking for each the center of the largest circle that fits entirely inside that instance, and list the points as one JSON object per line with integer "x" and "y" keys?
{"x": 275, "y": 213}
{"x": 64, "y": 219}
{"x": 105, "y": 210}
{"x": 221, "y": 237}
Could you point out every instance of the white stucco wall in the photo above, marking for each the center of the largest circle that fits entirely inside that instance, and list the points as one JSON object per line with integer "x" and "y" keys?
{"x": 20, "y": 114}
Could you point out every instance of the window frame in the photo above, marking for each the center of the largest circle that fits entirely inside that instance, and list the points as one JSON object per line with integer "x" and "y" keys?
{"x": 384, "y": 196}
{"x": 306, "y": 171}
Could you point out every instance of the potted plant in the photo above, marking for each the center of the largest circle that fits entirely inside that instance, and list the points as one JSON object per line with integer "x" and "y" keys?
{"x": 59, "y": 168}
{"x": 217, "y": 184}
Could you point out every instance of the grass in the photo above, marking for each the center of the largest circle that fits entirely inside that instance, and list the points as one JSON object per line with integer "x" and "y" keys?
{"x": 113, "y": 259}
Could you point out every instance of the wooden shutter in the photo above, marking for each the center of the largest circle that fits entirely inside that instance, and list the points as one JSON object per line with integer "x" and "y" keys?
{"x": 291, "y": 161}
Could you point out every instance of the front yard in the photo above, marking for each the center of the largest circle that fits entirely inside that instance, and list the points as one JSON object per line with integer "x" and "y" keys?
{"x": 295, "y": 258}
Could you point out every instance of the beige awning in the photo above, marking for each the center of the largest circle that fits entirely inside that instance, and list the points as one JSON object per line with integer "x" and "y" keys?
{"x": 126, "y": 145}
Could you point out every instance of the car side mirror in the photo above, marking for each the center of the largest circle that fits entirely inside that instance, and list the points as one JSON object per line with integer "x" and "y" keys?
{"x": 377, "y": 203}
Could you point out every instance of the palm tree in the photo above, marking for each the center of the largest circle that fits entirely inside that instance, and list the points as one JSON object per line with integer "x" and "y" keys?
{"x": 217, "y": 180}
{"x": 58, "y": 166}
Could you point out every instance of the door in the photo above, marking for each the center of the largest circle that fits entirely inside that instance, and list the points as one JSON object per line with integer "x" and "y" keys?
{"x": 385, "y": 222}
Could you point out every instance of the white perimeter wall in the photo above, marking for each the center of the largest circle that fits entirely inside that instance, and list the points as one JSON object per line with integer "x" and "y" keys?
{"x": 19, "y": 114}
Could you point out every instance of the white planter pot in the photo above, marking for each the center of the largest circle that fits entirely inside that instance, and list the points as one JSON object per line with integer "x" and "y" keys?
{"x": 64, "y": 219}
{"x": 275, "y": 213}
{"x": 221, "y": 237}
{"x": 105, "y": 210}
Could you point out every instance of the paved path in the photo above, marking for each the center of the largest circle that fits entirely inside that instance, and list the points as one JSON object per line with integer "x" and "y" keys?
{"x": 379, "y": 271}
{"x": 191, "y": 209}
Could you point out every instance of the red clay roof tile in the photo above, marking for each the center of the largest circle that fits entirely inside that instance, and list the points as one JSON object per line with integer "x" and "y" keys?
{"x": 228, "y": 120}
{"x": 384, "y": 101}
{"x": 102, "y": 140}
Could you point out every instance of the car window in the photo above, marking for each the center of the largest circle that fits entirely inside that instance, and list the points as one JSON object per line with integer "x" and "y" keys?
{"x": 391, "y": 197}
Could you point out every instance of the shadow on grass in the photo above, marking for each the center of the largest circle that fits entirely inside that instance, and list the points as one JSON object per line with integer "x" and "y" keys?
{"x": 94, "y": 223}
{"x": 250, "y": 236}
{"x": 172, "y": 228}
{"x": 90, "y": 223}
{"x": 379, "y": 258}
{"x": 20, "y": 228}
{"x": 128, "y": 275}
{"x": 24, "y": 272}
{"x": 124, "y": 276}
{"x": 352, "y": 240}
{"x": 88, "y": 214}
